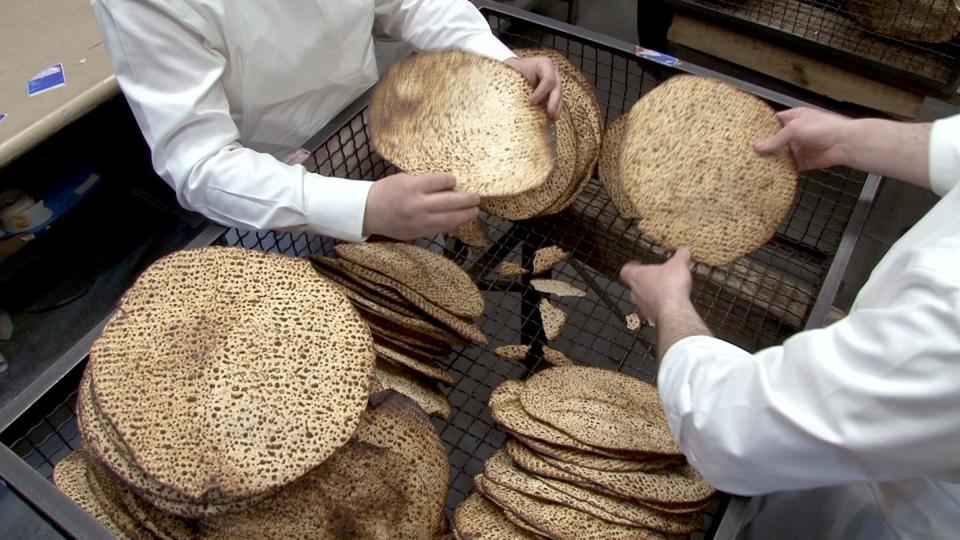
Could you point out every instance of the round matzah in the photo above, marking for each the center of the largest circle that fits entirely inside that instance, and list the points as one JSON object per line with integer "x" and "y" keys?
{"x": 601, "y": 408}
{"x": 210, "y": 369}
{"x": 70, "y": 476}
{"x": 461, "y": 326}
{"x": 369, "y": 309}
{"x": 506, "y": 410}
{"x": 579, "y": 95}
{"x": 110, "y": 503}
{"x": 928, "y": 21}
{"x": 464, "y": 114}
{"x": 329, "y": 267}
{"x": 401, "y": 380}
{"x": 389, "y": 481}
{"x": 151, "y": 522}
{"x": 104, "y": 446}
{"x": 579, "y": 98}
{"x": 535, "y": 201}
{"x": 429, "y": 274}
{"x": 500, "y": 469}
{"x": 478, "y": 519}
{"x": 688, "y": 166}
{"x": 417, "y": 350}
{"x": 440, "y": 339}
{"x": 609, "y": 173}
{"x": 675, "y": 486}
{"x": 557, "y": 520}
{"x": 401, "y": 359}
{"x": 597, "y": 461}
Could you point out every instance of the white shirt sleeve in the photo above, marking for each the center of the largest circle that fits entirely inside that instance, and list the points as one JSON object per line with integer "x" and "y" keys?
{"x": 172, "y": 81}
{"x": 945, "y": 155}
{"x": 871, "y": 397}
{"x": 439, "y": 24}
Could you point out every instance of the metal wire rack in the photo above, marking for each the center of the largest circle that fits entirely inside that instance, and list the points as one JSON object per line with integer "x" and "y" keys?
{"x": 851, "y": 33}
{"x": 754, "y": 303}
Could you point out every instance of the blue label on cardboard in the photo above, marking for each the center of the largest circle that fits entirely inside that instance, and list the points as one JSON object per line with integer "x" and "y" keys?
{"x": 2, "y": 117}
{"x": 657, "y": 56}
{"x": 49, "y": 78}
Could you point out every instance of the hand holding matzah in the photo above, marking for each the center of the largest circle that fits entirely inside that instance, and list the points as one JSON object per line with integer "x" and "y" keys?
{"x": 405, "y": 206}
{"x": 540, "y": 72}
{"x": 815, "y": 138}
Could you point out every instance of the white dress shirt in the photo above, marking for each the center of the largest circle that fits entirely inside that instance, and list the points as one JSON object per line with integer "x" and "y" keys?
{"x": 867, "y": 409}
{"x": 224, "y": 90}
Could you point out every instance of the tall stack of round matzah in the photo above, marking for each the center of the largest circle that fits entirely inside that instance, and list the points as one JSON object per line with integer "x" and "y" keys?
{"x": 927, "y": 21}
{"x": 463, "y": 114}
{"x": 209, "y": 370}
{"x": 687, "y": 165}
{"x": 591, "y": 457}
{"x": 577, "y": 144}
{"x": 246, "y": 412}
{"x": 417, "y": 304}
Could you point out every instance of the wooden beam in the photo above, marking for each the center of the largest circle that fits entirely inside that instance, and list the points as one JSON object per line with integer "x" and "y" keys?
{"x": 799, "y": 70}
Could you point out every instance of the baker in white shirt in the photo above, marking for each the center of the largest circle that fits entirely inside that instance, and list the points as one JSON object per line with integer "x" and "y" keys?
{"x": 224, "y": 90}
{"x": 855, "y": 428}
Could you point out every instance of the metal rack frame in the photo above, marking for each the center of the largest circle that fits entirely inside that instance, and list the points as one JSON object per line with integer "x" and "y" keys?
{"x": 822, "y": 29}
{"x": 817, "y": 239}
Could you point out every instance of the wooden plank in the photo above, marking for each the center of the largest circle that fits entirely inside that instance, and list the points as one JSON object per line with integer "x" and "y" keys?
{"x": 37, "y": 34}
{"x": 791, "y": 67}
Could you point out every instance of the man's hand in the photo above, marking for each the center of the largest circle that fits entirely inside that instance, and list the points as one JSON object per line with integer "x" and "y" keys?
{"x": 656, "y": 288}
{"x": 542, "y": 75}
{"x": 817, "y": 139}
{"x": 662, "y": 294}
{"x": 407, "y": 207}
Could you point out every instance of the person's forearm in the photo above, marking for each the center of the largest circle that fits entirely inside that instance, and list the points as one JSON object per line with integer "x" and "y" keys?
{"x": 678, "y": 320}
{"x": 893, "y": 149}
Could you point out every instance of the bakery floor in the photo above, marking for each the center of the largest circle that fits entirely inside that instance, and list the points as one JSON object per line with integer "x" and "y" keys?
{"x": 898, "y": 206}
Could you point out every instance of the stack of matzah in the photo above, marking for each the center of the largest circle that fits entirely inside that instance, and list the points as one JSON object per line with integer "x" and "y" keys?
{"x": 926, "y": 21}
{"x": 591, "y": 457}
{"x": 418, "y": 305}
{"x": 578, "y": 132}
{"x": 228, "y": 397}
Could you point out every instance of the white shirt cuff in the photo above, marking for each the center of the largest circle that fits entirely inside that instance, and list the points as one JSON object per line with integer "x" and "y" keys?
{"x": 486, "y": 44}
{"x": 336, "y": 206}
{"x": 674, "y": 380}
{"x": 945, "y": 155}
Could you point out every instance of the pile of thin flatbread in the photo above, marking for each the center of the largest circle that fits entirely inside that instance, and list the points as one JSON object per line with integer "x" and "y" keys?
{"x": 418, "y": 304}
{"x": 591, "y": 457}
{"x": 577, "y": 136}
{"x": 229, "y": 397}
{"x": 471, "y": 116}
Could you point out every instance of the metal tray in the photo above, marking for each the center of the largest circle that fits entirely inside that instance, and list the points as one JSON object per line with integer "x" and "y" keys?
{"x": 784, "y": 287}
{"x": 825, "y": 30}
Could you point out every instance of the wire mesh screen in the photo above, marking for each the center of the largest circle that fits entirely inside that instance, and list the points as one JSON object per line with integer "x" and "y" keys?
{"x": 755, "y": 302}
{"x": 913, "y": 38}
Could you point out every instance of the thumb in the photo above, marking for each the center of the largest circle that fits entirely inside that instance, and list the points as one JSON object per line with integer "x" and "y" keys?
{"x": 774, "y": 142}
{"x": 682, "y": 257}
{"x": 629, "y": 270}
